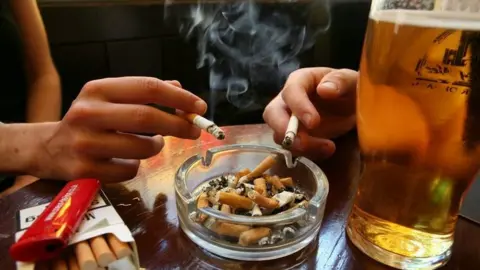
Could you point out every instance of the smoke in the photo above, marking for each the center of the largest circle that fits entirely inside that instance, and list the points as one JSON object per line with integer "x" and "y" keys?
{"x": 249, "y": 47}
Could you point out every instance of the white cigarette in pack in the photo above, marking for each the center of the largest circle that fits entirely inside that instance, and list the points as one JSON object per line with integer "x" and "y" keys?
{"x": 205, "y": 124}
{"x": 291, "y": 132}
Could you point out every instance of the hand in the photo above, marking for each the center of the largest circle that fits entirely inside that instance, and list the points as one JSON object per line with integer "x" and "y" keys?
{"x": 324, "y": 101}
{"x": 96, "y": 137}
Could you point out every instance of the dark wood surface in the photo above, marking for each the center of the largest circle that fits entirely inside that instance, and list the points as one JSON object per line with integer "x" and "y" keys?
{"x": 147, "y": 205}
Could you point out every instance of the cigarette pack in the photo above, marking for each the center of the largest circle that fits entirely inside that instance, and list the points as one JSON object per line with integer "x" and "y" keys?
{"x": 100, "y": 219}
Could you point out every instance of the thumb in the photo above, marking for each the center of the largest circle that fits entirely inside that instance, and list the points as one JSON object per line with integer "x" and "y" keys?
{"x": 338, "y": 83}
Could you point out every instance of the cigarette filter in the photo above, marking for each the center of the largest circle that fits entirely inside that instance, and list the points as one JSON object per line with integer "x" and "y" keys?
{"x": 51, "y": 231}
{"x": 252, "y": 236}
{"x": 207, "y": 125}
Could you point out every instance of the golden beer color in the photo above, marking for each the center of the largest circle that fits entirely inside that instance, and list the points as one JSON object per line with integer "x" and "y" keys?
{"x": 415, "y": 109}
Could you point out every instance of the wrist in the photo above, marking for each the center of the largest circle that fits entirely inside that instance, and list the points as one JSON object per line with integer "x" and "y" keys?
{"x": 22, "y": 147}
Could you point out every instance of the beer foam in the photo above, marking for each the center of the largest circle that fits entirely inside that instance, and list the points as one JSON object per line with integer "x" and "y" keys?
{"x": 434, "y": 19}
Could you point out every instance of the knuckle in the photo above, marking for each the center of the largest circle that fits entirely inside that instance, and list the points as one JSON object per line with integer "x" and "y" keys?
{"x": 90, "y": 87}
{"x": 79, "y": 110}
{"x": 142, "y": 115}
{"x": 149, "y": 84}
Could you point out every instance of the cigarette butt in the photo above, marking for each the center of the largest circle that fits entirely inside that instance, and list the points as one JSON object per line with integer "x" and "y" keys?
{"x": 266, "y": 164}
{"x": 59, "y": 264}
{"x": 260, "y": 186}
{"x": 256, "y": 212}
{"x": 275, "y": 181}
{"x": 102, "y": 252}
{"x": 287, "y": 181}
{"x": 284, "y": 198}
{"x": 252, "y": 236}
{"x": 226, "y": 209}
{"x": 229, "y": 229}
{"x": 72, "y": 263}
{"x": 302, "y": 204}
{"x": 262, "y": 200}
{"x": 86, "y": 260}
{"x": 234, "y": 200}
{"x": 239, "y": 175}
{"x": 118, "y": 247}
{"x": 242, "y": 173}
{"x": 202, "y": 202}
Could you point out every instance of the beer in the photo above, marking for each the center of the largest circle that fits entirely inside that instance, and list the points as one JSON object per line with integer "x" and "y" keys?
{"x": 416, "y": 107}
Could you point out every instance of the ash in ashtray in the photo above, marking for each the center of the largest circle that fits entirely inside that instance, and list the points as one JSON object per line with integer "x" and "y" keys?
{"x": 242, "y": 194}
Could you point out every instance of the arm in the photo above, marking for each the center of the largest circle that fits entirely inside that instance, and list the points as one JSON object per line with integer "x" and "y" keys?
{"x": 44, "y": 93}
{"x": 20, "y": 146}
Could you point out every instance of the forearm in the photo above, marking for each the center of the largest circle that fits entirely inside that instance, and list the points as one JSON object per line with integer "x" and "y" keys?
{"x": 20, "y": 147}
{"x": 44, "y": 99}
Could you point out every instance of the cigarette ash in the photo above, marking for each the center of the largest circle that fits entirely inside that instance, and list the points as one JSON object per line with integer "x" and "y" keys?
{"x": 286, "y": 197}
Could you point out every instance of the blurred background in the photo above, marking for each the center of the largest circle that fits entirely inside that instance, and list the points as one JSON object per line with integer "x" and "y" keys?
{"x": 169, "y": 40}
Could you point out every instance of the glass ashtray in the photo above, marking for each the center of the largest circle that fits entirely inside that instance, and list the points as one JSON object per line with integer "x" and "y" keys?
{"x": 294, "y": 228}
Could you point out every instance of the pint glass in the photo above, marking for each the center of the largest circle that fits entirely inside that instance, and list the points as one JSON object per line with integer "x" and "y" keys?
{"x": 418, "y": 120}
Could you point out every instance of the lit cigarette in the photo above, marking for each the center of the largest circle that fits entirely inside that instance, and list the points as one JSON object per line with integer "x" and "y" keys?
{"x": 229, "y": 229}
{"x": 72, "y": 263}
{"x": 275, "y": 181}
{"x": 59, "y": 264}
{"x": 202, "y": 202}
{"x": 287, "y": 181}
{"x": 205, "y": 124}
{"x": 291, "y": 132}
{"x": 85, "y": 257}
{"x": 262, "y": 200}
{"x": 234, "y": 200}
{"x": 118, "y": 247}
{"x": 261, "y": 168}
{"x": 102, "y": 252}
{"x": 252, "y": 236}
{"x": 260, "y": 186}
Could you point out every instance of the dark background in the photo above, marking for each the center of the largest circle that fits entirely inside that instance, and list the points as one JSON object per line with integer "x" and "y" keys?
{"x": 97, "y": 40}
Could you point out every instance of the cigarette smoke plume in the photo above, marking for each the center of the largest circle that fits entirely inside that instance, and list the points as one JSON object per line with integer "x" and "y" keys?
{"x": 248, "y": 46}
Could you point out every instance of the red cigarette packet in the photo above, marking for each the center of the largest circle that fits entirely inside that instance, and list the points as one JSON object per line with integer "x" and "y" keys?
{"x": 51, "y": 231}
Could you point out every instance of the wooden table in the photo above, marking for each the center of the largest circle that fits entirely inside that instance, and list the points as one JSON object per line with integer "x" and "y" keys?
{"x": 147, "y": 205}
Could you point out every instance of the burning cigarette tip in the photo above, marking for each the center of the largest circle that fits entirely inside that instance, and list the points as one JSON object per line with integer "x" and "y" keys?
{"x": 207, "y": 125}
{"x": 291, "y": 132}
{"x": 217, "y": 132}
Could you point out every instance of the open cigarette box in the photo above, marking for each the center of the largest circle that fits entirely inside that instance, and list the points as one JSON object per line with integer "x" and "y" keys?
{"x": 100, "y": 220}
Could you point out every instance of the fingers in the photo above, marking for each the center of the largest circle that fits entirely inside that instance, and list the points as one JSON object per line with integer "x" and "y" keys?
{"x": 144, "y": 90}
{"x": 129, "y": 118}
{"x": 338, "y": 83}
{"x": 175, "y": 83}
{"x": 276, "y": 116}
{"x": 117, "y": 145}
{"x": 312, "y": 147}
{"x": 299, "y": 86}
{"x": 107, "y": 171}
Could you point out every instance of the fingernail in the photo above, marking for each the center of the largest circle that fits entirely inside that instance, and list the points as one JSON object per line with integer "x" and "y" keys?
{"x": 200, "y": 106}
{"x": 330, "y": 86}
{"x": 307, "y": 119}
